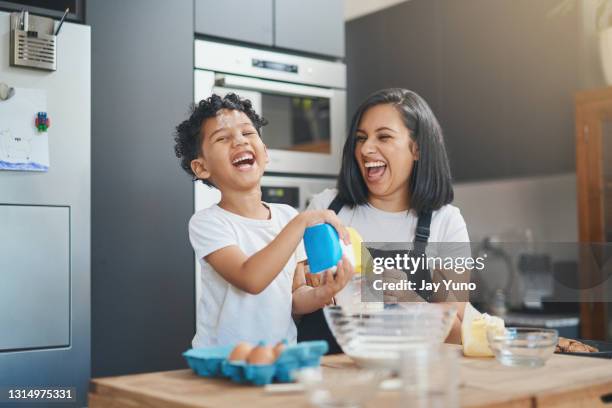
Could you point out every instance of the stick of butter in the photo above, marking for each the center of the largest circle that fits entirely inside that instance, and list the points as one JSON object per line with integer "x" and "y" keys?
{"x": 474, "y": 332}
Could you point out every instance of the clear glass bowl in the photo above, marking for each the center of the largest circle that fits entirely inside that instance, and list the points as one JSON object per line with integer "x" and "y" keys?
{"x": 333, "y": 388}
{"x": 523, "y": 346}
{"x": 374, "y": 335}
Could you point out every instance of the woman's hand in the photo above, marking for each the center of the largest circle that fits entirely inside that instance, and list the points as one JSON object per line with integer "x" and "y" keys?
{"x": 333, "y": 283}
{"x": 314, "y": 217}
{"x": 307, "y": 299}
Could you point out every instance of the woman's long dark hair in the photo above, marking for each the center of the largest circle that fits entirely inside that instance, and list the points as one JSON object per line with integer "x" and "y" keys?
{"x": 430, "y": 181}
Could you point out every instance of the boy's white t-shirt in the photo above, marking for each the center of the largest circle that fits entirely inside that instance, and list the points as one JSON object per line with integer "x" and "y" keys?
{"x": 226, "y": 314}
{"x": 374, "y": 225}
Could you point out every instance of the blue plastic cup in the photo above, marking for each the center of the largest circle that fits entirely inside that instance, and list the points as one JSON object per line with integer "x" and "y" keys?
{"x": 323, "y": 247}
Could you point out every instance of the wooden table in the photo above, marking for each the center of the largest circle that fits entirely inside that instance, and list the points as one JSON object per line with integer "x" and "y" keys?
{"x": 565, "y": 381}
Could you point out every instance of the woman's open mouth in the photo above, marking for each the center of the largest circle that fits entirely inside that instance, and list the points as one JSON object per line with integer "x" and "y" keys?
{"x": 375, "y": 170}
{"x": 244, "y": 161}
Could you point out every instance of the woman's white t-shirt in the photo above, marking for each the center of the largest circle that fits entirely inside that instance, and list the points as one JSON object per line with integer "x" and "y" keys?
{"x": 374, "y": 225}
{"x": 226, "y": 314}
{"x": 378, "y": 226}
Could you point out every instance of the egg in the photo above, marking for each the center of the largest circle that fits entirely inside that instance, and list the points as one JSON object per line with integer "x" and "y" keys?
{"x": 240, "y": 352}
{"x": 262, "y": 355}
{"x": 278, "y": 349}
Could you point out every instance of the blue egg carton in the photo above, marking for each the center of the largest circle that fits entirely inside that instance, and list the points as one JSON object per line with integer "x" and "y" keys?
{"x": 212, "y": 362}
{"x": 207, "y": 361}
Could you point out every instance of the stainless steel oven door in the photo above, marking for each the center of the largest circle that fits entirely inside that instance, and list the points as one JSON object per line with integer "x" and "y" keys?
{"x": 306, "y": 128}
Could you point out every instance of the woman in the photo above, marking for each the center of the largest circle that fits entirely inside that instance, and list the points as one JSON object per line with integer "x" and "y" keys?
{"x": 395, "y": 178}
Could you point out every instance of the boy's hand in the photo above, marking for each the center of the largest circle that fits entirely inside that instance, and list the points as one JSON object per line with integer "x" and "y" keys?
{"x": 314, "y": 217}
{"x": 333, "y": 284}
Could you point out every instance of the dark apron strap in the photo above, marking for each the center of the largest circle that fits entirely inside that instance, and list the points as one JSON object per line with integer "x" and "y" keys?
{"x": 421, "y": 236}
{"x": 336, "y": 205}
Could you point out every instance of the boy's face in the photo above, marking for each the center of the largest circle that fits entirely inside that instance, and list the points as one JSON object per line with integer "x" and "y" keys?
{"x": 233, "y": 155}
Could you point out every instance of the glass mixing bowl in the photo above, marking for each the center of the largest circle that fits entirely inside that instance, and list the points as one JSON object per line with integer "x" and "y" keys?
{"x": 523, "y": 346}
{"x": 374, "y": 335}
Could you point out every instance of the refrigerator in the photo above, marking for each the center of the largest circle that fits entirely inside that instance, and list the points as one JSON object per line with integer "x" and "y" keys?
{"x": 45, "y": 211}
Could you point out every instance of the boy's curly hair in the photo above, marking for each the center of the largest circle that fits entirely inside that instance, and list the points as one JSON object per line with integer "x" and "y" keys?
{"x": 188, "y": 135}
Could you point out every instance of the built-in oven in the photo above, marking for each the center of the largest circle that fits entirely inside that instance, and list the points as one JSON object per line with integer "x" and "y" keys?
{"x": 303, "y": 99}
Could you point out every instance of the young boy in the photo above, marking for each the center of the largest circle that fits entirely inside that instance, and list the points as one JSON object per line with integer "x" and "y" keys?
{"x": 250, "y": 251}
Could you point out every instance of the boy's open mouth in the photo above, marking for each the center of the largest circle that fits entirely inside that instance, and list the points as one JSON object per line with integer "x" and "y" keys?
{"x": 375, "y": 170}
{"x": 243, "y": 161}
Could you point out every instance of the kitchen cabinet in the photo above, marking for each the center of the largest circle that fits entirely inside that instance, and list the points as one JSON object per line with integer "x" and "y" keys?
{"x": 142, "y": 280}
{"x": 240, "y": 20}
{"x": 315, "y": 26}
{"x": 437, "y": 49}
{"x": 594, "y": 178}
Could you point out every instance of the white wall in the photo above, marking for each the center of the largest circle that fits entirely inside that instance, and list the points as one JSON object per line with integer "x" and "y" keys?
{"x": 357, "y": 8}
{"x": 546, "y": 205}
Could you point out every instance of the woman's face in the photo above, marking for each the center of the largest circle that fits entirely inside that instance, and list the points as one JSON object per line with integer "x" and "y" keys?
{"x": 385, "y": 151}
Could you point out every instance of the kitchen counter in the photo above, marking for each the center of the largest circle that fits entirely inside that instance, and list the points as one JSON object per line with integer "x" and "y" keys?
{"x": 565, "y": 381}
